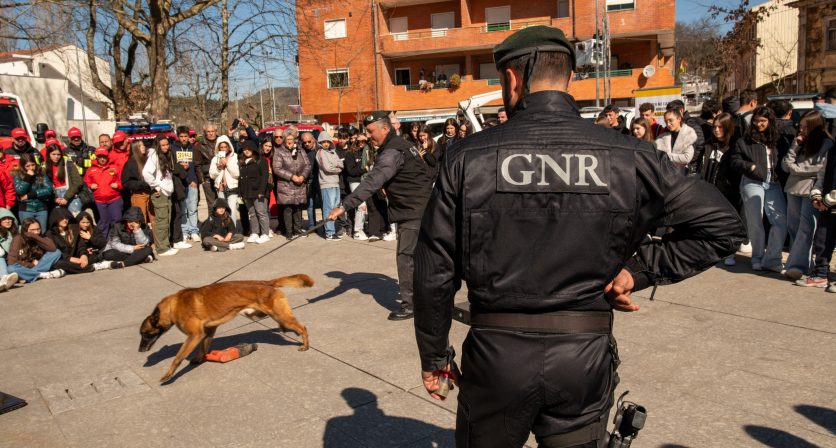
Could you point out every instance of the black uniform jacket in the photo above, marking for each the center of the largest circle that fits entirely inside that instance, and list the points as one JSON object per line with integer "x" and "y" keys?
{"x": 541, "y": 213}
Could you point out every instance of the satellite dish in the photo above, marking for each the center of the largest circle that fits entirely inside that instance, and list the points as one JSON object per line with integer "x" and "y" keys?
{"x": 648, "y": 71}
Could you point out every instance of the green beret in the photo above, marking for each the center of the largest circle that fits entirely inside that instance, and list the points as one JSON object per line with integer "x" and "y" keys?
{"x": 375, "y": 116}
{"x": 540, "y": 37}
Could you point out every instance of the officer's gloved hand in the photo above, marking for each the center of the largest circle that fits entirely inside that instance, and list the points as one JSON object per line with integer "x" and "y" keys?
{"x": 618, "y": 292}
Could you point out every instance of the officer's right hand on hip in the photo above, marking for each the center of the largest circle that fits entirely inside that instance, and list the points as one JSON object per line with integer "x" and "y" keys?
{"x": 618, "y": 292}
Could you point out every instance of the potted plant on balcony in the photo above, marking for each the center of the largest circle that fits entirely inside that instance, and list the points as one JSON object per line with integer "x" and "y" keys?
{"x": 455, "y": 81}
{"x": 426, "y": 87}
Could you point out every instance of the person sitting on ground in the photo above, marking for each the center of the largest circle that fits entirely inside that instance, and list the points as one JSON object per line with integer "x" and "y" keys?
{"x": 65, "y": 178}
{"x": 91, "y": 242}
{"x": 105, "y": 179}
{"x": 8, "y": 230}
{"x": 32, "y": 255}
{"x": 252, "y": 185}
{"x": 64, "y": 233}
{"x": 130, "y": 240}
{"x": 33, "y": 189}
{"x": 218, "y": 231}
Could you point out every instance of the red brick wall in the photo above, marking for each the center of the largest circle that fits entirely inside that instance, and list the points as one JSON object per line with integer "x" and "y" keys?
{"x": 419, "y": 16}
{"x": 356, "y": 51}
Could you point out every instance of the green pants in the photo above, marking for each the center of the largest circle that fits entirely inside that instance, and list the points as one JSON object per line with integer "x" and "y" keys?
{"x": 162, "y": 218}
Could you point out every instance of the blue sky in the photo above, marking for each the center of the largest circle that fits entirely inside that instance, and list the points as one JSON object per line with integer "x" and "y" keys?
{"x": 691, "y": 10}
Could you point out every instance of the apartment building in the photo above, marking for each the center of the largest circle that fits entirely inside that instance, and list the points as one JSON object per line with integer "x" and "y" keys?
{"x": 361, "y": 55}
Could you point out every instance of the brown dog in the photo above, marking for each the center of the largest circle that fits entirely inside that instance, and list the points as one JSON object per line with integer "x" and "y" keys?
{"x": 198, "y": 312}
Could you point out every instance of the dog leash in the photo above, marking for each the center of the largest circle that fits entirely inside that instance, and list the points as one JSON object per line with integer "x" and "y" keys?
{"x": 305, "y": 233}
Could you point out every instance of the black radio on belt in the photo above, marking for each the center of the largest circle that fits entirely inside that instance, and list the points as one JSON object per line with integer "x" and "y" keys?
{"x": 629, "y": 420}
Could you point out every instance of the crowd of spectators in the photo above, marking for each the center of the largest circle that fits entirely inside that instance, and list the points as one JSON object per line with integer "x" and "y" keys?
{"x": 77, "y": 208}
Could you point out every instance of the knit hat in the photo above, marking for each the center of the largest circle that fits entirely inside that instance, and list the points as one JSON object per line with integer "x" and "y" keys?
{"x": 249, "y": 144}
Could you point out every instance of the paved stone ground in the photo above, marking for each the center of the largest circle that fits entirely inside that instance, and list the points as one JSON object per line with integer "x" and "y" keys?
{"x": 731, "y": 358}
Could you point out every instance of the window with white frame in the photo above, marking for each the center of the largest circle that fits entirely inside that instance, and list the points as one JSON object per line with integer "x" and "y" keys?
{"x": 830, "y": 34}
{"x": 337, "y": 78}
{"x": 619, "y": 5}
{"x": 335, "y": 29}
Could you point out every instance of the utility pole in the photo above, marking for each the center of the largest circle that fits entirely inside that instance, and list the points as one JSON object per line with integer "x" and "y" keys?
{"x": 81, "y": 89}
{"x": 272, "y": 97}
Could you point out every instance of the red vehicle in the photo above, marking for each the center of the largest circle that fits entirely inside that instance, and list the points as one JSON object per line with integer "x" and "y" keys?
{"x": 13, "y": 115}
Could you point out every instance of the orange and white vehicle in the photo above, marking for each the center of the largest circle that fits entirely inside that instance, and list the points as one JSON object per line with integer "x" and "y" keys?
{"x": 13, "y": 115}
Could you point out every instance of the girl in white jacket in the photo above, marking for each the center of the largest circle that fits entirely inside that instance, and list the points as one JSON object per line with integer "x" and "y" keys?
{"x": 223, "y": 169}
{"x": 678, "y": 141}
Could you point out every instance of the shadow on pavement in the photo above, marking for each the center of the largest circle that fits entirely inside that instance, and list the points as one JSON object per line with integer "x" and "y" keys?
{"x": 219, "y": 343}
{"x": 824, "y": 417}
{"x": 373, "y": 427}
{"x": 776, "y": 438}
{"x": 382, "y": 288}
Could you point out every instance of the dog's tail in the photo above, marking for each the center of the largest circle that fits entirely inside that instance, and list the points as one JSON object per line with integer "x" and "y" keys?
{"x": 294, "y": 281}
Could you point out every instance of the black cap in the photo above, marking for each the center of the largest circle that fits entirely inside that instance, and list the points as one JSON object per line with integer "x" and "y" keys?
{"x": 249, "y": 144}
{"x": 541, "y": 37}
{"x": 375, "y": 116}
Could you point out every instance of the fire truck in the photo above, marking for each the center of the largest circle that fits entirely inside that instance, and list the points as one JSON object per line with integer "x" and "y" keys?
{"x": 13, "y": 115}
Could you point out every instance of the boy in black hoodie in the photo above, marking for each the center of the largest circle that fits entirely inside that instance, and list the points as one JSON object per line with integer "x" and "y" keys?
{"x": 218, "y": 231}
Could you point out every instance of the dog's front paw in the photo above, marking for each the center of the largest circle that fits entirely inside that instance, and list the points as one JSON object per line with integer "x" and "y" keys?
{"x": 303, "y": 348}
{"x": 165, "y": 378}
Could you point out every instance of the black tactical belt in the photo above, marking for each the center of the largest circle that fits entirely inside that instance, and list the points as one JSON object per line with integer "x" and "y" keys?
{"x": 558, "y": 322}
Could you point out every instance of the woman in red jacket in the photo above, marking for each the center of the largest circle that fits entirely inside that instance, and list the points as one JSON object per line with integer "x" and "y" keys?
{"x": 105, "y": 179}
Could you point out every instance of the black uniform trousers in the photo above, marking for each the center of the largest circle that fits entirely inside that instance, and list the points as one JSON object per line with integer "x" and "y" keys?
{"x": 407, "y": 240}
{"x": 514, "y": 383}
{"x": 824, "y": 242}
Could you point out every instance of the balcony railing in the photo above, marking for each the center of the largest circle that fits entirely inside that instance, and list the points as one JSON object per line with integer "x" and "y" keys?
{"x": 603, "y": 74}
{"x": 410, "y": 35}
{"x": 511, "y": 26}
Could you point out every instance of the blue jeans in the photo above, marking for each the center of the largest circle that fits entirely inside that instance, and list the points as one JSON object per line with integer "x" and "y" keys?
{"x": 311, "y": 209}
{"x": 40, "y": 216}
{"x": 330, "y": 199}
{"x": 73, "y": 206}
{"x": 189, "y": 207}
{"x": 760, "y": 198}
{"x": 801, "y": 224}
{"x": 109, "y": 213}
{"x": 4, "y": 269}
{"x": 44, "y": 265}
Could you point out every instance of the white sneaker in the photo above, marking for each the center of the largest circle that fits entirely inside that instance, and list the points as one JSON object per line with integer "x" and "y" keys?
{"x": 150, "y": 259}
{"x": 745, "y": 248}
{"x": 360, "y": 236}
{"x": 729, "y": 261}
{"x": 58, "y": 273}
{"x": 195, "y": 237}
{"x": 181, "y": 245}
{"x": 235, "y": 246}
{"x": 102, "y": 265}
{"x": 213, "y": 248}
{"x": 168, "y": 253}
{"x": 271, "y": 234}
{"x": 8, "y": 281}
{"x": 263, "y": 239}
{"x": 391, "y": 236}
{"x": 253, "y": 238}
